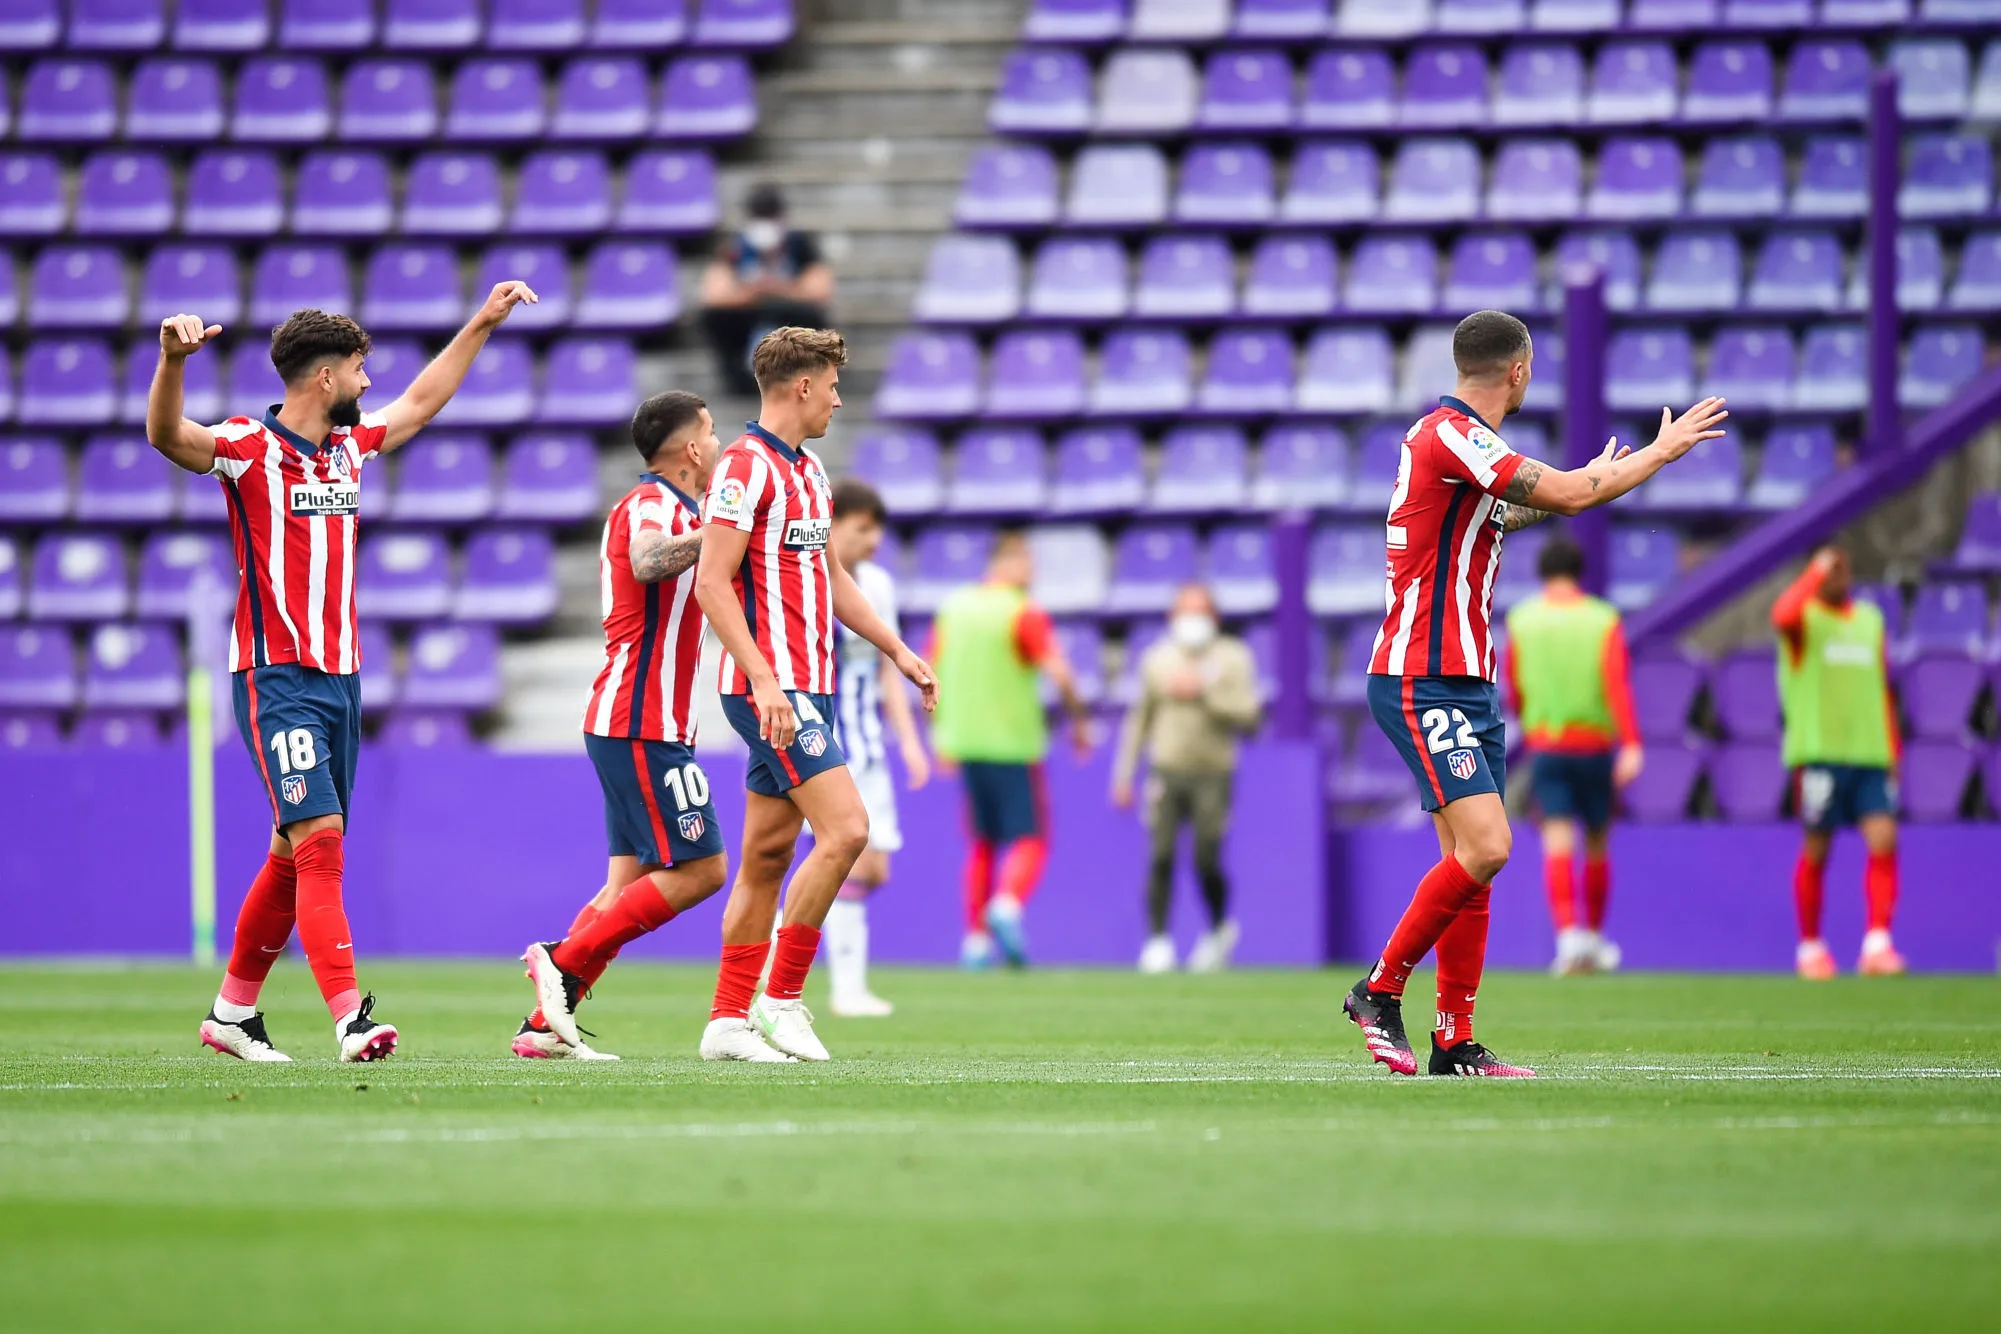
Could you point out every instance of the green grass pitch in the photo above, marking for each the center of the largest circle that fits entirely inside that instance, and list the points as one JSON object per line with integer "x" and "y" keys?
{"x": 1051, "y": 1151}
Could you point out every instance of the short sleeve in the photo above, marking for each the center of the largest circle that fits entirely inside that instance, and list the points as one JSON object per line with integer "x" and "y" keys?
{"x": 1034, "y": 634}
{"x": 737, "y": 490}
{"x": 650, "y": 516}
{"x": 1475, "y": 455}
{"x": 239, "y": 442}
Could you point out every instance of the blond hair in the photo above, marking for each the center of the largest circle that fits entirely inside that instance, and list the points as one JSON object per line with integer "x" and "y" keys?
{"x": 790, "y": 351}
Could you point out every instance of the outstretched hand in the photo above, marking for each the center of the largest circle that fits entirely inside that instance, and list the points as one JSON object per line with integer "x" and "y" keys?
{"x": 181, "y": 336}
{"x": 1680, "y": 434}
{"x": 918, "y": 672}
{"x": 1613, "y": 451}
{"x": 503, "y": 298}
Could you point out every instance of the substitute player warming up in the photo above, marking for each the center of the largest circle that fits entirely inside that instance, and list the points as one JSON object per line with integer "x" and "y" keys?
{"x": 292, "y": 480}
{"x": 639, "y": 727}
{"x": 1459, "y": 488}
{"x": 773, "y": 590}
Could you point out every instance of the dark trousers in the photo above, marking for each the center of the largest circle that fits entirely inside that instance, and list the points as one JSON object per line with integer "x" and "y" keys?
{"x": 1201, "y": 800}
{"x": 733, "y": 331}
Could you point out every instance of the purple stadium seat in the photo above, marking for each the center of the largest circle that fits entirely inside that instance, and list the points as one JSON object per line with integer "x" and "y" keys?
{"x": 380, "y": 685}
{"x": 1920, "y": 272}
{"x": 535, "y": 25}
{"x": 66, "y": 382}
{"x": 453, "y": 666}
{"x": 999, "y": 470}
{"x": 1143, "y": 372}
{"x": 1796, "y": 460}
{"x": 1632, "y": 82}
{"x": 37, "y": 668}
{"x": 252, "y": 382}
{"x": 629, "y": 285}
{"x": 289, "y": 278}
{"x": 1863, "y": 13}
{"x": 281, "y": 100}
{"x": 499, "y": 100}
{"x": 1752, "y": 366}
{"x": 10, "y": 308}
{"x": 1345, "y": 569}
{"x": 589, "y": 382}
{"x": 310, "y": 25}
{"x": 1647, "y": 368}
{"x": 432, "y": 25}
{"x": 1280, "y": 19}
{"x": 1744, "y": 690}
{"x": 1246, "y": 90}
{"x": 1077, "y": 279}
{"x": 124, "y": 194}
{"x": 1661, "y": 792}
{"x": 403, "y": 575}
{"x": 1037, "y": 374}
{"x": 1938, "y": 694}
{"x": 562, "y": 193}
{"x": 1833, "y": 377}
{"x": 1149, "y": 562}
{"x": 1177, "y": 21}
{"x": 111, "y": 25}
{"x": 1099, "y": 470}
{"x": 669, "y": 190}
{"x": 1042, "y": 91}
{"x": 976, "y": 280}
{"x": 1444, "y": 87}
{"x": 1980, "y": 540}
{"x": 11, "y": 598}
{"x": 1241, "y": 575}
{"x": 1427, "y": 364}
{"x": 412, "y": 287}
{"x": 945, "y": 556}
{"x": 78, "y": 287}
{"x": 29, "y": 730}
{"x": 1332, "y": 181}
{"x": 1948, "y": 618}
{"x": 1074, "y": 22}
{"x": 1225, "y": 183}
{"x": 221, "y": 25}
{"x": 133, "y": 667}
{"x": 1932, "y": 780}
{"x": 31, "y": 195}
{"x": 1491, "y": 270}
{"x": 427, "y": 729}
{"x": 122, "y": 479}
{"x": 1146, "y": 92}
{"x": 638, "y": 25}
{"x": 1382, "y": 18}
{"x": 1249, "y": 371}
{"x": 1006, "y": 185}
{"x": 1729, "y": 80}
{"x": 1349, "y": 89}
{"x": 78, "y": 576}
{"x": 1664, "y": 690}
{"x": 116, "y": 729}
{"x": 1946, "y": 175}
{"x": 1934, "y": 78}
{"x": 452, "y": 194}
{"x": 1541, "y": 83}
{"x": 1696, "y": 270}
{"x": 929, "y": 376}
{"x": 340, "y": 194}
{"x": 743, "y": 23}
{"x": 1613, "y": 253}
{"x": 1191, "y": 276}
{"x": 601, "y": 98}
{"x": 499, "y": 391}
{"x": 34, "y": 479}
{"x": 1302, "y": 466}
{"x": 904, "y": 466}
{"x": 1536, "y": 180}
{"x": 1987, "y": 83}
{"x": 1978, "y": 283}
{"x": 1072, "y": 567}
{"x": 1637, "y": 179}
{"x": 1431, "y": 179}
{"x": 444, "y": 477}
{"x": 1480, "y": 16}
{"x": 706, "y": 97}
{"x": 236, "y": 194}
{"x": 173, "y": 100}
{"x": 1643, "y": 562}
{"x": 509, "y": 577}
{"x": 1833, "y": 179}
{"x": 1938, "y": 362}
{"x": 1347, "y": 369}
{"x": 1291, "y": 276}
{"x": 1767, "y": 13}
{"x": 543, "y": 267}
{"x": 1392, "y": 275}
{"x": 68, "y": 101}
{"x": 1740, "y": 177}
{"x": 1118, "y": 185}
{"x": 388, "y": 101}
{"x": 171, "y": 562}
{"x": 1203, "y": 470}
{"x": 1710, "y": 476}
{"x": 30, "y": 25}
{"x": 548, "y": 477}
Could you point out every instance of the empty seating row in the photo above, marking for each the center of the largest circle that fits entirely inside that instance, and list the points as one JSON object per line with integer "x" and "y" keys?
{"x": 402, "y": 25}
{"x": 1449, "y": 182}
{"x": 243, "y": 193}
{"x": 505, "y": 575}
{"x": 128, "y": 729}
{"x": 580, "y": 381}
{"x": 1153, "y": 91}
{"x": 1192, "y": 277}
{"x": 620, "y": 285}
{"x": 443, "y": 476}
{"x": 389, "y": 101}
{"x": 1038, "y": 374}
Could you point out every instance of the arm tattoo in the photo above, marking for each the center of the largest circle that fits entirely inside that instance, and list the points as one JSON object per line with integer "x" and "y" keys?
{"x": 1519, "y": 517}
{"x": 1522, "y": 485}
{"x": 656, "y": 556}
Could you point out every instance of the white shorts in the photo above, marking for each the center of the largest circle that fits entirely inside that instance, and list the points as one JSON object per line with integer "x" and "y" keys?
{"x": 878, "y": 788}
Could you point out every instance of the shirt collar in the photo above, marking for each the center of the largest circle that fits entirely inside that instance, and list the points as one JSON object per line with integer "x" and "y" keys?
{"x": 679, "y": 494}
{"x": 785, "y": 451}
{"x": 285, "y": 433}
{"x": 1460, "y": 405}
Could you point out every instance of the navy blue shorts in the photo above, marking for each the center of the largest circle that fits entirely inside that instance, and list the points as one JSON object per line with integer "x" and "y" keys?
{"x": 1003, "y": 801}
{"x": 1448, "y": 730}
{"x": 1574, "y": 787}
{"x": 773, "y": 773}
{"x": 303, "y": 727}
{"x": 656, "y": 801}
{"x": 1837, "y": 796}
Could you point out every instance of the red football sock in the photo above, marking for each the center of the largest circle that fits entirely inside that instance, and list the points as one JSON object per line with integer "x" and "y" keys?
{"x": 1021, "y": 867}
{"x": 1444, "y": 889}
{"x": 1807, "y": 877}
{"x": 791, "y": 957}
{"x": 638, "y": 909}
{"x": 263, "y": 925}
{"x": 1556, "y": 882}
{"x": 585, "y": 916}
{"x": 736, "y": 979}
{"x": 1462, "y": 958}
{"x": 979, "y": 883}
{"x": 323, "y": 922}
{"x": 1879, "y": 885}
{"x": 1597, "y": 890}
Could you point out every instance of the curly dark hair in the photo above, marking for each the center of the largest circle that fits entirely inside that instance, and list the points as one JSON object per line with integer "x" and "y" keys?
{"x": 309, "y": 337}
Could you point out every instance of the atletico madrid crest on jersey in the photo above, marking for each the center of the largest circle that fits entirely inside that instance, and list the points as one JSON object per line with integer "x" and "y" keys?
{"x": 1460, "y": 762}
{"x": 293, "y": 789}
{"x": 692, "y": 826}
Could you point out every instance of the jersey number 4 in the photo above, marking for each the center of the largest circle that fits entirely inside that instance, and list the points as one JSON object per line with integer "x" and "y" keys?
{"x": 1447, "y": 730}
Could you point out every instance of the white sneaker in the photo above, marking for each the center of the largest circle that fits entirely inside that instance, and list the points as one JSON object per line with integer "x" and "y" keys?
{"x": 1004, "y": 923}
{"x": 246, "y": 1039}
{"x": 1212, "y": 953}
{"x": 1157, "y": 955}
{"x": 730, "y": 1039}
{"x": 553, "y": 992}
{"x": 362, "y": 1038}
{"x": 860, "y": 1005}
{"x": 788, "y": 1026}
{"x": 541, "y": 1044}
{"x": 1606, "y": 955}
{"x": 1576, "y": 952}
{"x": 976, "y": 951}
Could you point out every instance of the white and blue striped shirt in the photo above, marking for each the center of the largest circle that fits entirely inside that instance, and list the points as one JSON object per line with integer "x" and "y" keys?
{"x": 858, "y": 667}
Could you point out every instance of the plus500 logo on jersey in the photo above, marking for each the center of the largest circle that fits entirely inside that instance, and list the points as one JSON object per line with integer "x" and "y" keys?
{"x": 808, "y": 534}
{"x": 326, "y": 498}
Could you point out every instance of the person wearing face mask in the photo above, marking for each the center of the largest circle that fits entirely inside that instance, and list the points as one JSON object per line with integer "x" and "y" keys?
{"x": 1197, "y": 697}
{"x": 764, "y": 276}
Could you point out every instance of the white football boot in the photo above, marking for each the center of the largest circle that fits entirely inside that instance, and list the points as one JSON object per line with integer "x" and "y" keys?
{"x": 1576, "y": 952}
{"x": 1157, "y": 955}
{"x": 541, "y": 1044}
{"x": 859, "y": 1005}
{"x": 788, "y": 1026}
{"x": 555, "y": 992}
{"x": 1212, "y": 953}
{"x": 244, "y": 1039}
{"x": 1606, "y": 956}
{"x": 732, "y": 1039}
{"x": 363, "y": 1038}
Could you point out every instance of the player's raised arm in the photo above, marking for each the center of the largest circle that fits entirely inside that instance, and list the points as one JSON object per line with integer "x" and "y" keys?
{"x": 187, "y": 444}
{"x": 852, "y": 609}
{"x": 437, "y": 382}
{"x": 1617, "y": 469}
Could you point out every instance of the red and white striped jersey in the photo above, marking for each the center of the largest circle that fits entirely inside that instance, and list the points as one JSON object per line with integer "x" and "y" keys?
{"x": 652, "y": 632}
{"x": 293, "y": 509}
{"x": 782, "y": 498}
{"x": 1444, "y": 547}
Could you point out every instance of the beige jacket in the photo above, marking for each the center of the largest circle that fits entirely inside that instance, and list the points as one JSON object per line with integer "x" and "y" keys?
{"x": 1191, "y": 736}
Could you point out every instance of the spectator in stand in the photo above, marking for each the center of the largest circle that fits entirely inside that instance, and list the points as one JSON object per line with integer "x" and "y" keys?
{"x": 763, "y": 276}
{"x": 1198, "y": 697}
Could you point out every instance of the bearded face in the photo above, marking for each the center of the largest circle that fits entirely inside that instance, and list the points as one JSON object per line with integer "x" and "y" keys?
{"x": 345, "y": 411}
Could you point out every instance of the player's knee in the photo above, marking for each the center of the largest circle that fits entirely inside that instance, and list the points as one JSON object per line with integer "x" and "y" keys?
{"x": 709, "y": 874}
{"x": 1486, "y": 852}
{"x": 845, "y": 836}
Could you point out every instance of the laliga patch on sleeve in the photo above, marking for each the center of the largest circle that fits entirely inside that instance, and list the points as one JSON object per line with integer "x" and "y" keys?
{"x": 653, "y": 512}
{"x": 1491, "y": 446}
{"x": 727, "y": 502}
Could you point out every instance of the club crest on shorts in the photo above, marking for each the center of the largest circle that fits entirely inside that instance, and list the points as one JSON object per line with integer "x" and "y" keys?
{"x": 293, "y": 789}
{"x": 813, "y": 741}
{"x": 1461, "y": 764}
{"x": 692, "y": 826}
